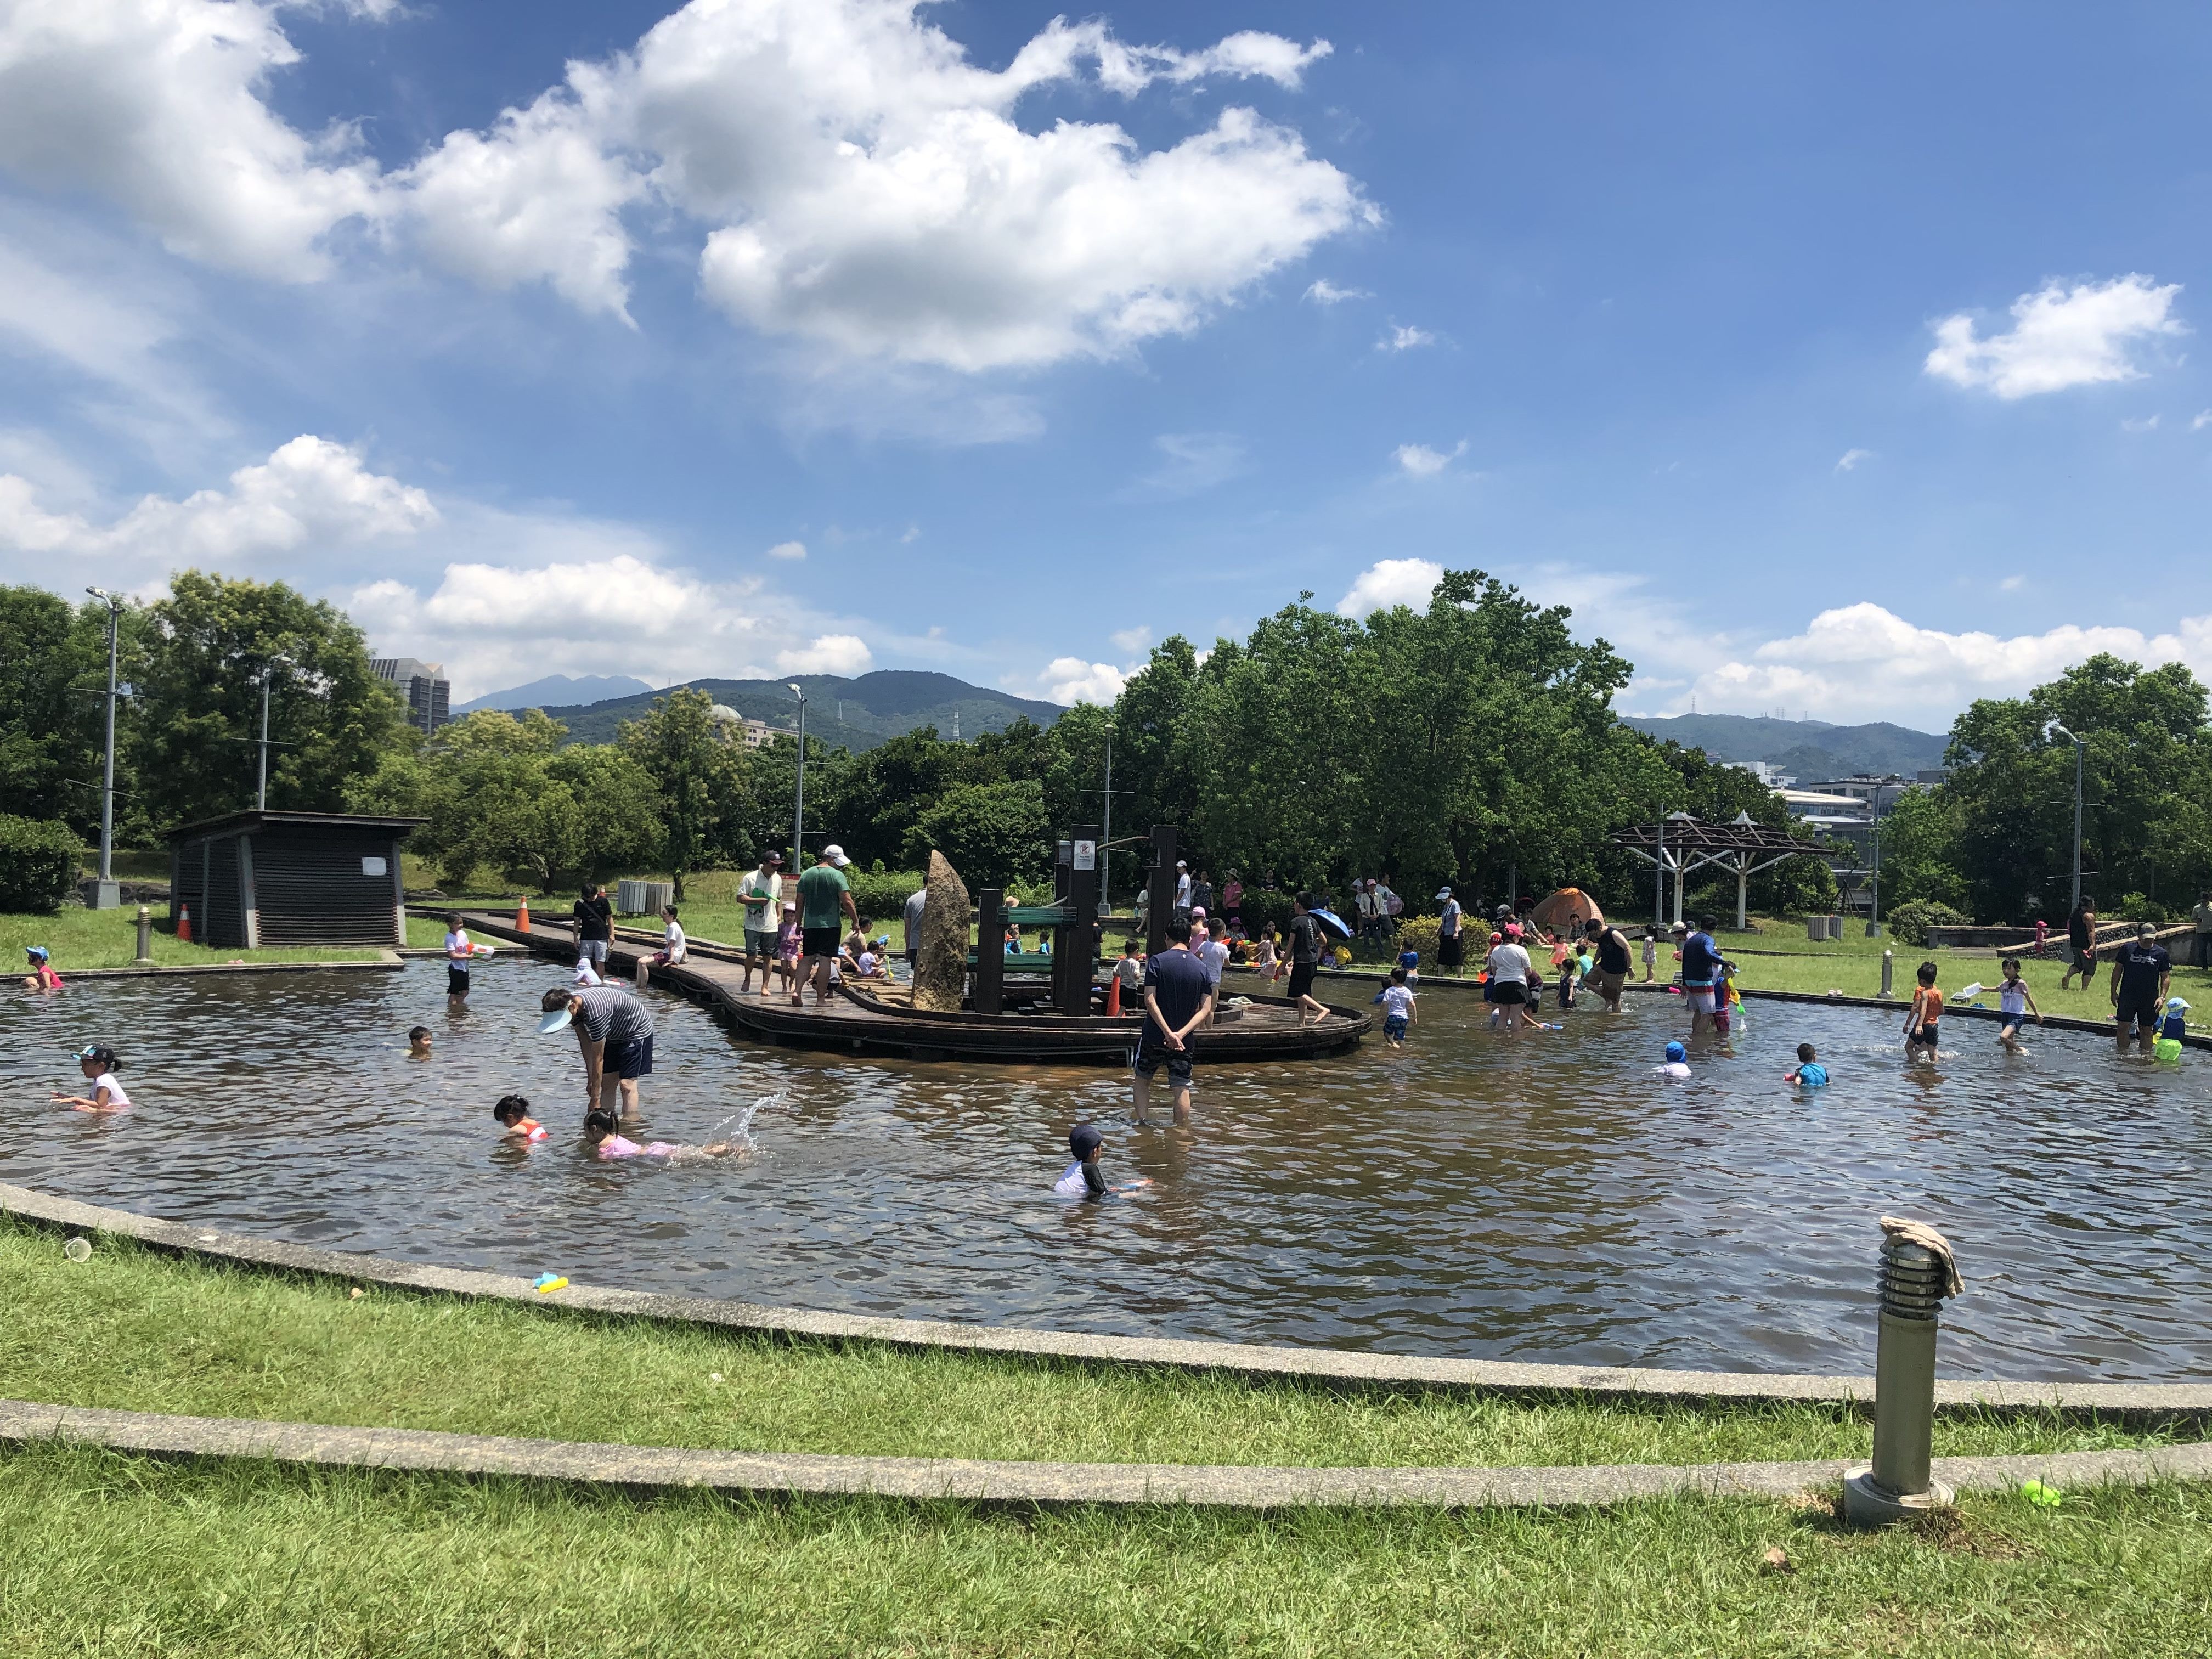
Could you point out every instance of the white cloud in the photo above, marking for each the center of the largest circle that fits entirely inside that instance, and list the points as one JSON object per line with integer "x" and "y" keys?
{"x": 787, "y": 550}
{"x": 1405, "y": 340}
{"x": 1862, "y": 661}
{"x": 2012, "y": 584}
{"x": 156, "y": 105}
{"x": 1851, "y": 458}
{"x": 2061, "y": 337}
{"x": 2202, "y": 420}
{"x": 2149, "y": 423}
{"x": 1422, "y": 462}
{"x": 1131, "y": 640}
{"x": 1070, "y": 680}
{"x": 1326, "y": 293}
{"x": 1391, "y": 582}
{"x": 913, "y": 534}
{"x": 828, "y": 653}
{"x": 1191, "y": 462}
{"x": 310, "y": 493}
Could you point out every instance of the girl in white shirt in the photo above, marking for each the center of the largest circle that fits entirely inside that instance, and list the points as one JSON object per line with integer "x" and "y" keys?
{"x": 99, "y": 1065}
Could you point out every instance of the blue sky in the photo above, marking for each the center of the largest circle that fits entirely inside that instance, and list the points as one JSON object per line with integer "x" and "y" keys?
{"x": 1839, "y": 364}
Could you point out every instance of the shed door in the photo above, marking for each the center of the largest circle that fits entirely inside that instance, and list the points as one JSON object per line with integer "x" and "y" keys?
{"x": 333, "y": 889}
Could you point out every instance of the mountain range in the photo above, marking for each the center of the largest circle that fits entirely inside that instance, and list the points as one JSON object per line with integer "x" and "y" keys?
{"x": 849, "y": 713}
{"x": 1812, "y": 751}
{"x": 564, "y": 690}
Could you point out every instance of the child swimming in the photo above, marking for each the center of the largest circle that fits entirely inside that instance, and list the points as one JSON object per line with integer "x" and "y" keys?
{"x": 1809, "y": 1072}
{"x": 1085, "y": 1178}
{"x": 1677, "y": 1067}
{"x": 1398, "y": 1002}
{"x": 100, "y": 1063}
{"x": 601, "y": 1135}
{"x": 512, "y": 1114}
{"x": 418, "y": 1042}
{"x": 2016, "y": 1002}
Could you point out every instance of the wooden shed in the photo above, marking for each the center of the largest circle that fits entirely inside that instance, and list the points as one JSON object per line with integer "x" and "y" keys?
{"x": 263, "y": 878}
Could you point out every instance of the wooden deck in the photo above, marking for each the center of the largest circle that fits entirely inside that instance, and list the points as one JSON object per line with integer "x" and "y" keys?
{"x": 877, "y": 1020}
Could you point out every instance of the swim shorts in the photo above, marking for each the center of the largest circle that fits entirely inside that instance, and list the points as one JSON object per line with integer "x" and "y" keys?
{"x": 759, "y": 942}
{"x": 2129, "y": 1009}
{"x": 1509, "y": 991}
{"x": 627, "y": 1060}
{"x": 820, "y": 941}
{"x": 1922, "y": 1038}
{"x": 1700, "y": 998}
{"x": 593, "y": 950}
{"x": 1150, "y": 1052}
{"x": 2011, "y": 1023}
{"x": 1301, "y": 978}
{"x": 1607, "y": 985}
{"x": 457, "y": 980}
{"x": 1394, "y": 1026}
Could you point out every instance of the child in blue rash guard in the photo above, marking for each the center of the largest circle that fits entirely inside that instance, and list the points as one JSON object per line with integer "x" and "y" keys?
{"x": 1809, "y": 1070}
{"x": 1678, "y": 1063}
{"x": 2171, "y": 1030}
{"x": 1409, "y": 962}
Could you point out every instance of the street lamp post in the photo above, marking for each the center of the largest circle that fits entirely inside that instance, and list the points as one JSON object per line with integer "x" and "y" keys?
{"x": 106, "y": 895}
{"x": 2054, "y": 728}
{"x": 1874, "y": 905}
{"x": 798, "y": 794}
{"x": 261, "y": 779}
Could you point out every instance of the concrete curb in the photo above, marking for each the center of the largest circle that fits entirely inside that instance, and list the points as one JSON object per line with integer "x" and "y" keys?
{"x": 383, "y": 960}
{"x": 1225, "y": 1486}
{"x": 2153, "y": 1404}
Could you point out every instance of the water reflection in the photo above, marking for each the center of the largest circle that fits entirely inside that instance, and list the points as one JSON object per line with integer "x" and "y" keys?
{"x": 1539, "y": 1197}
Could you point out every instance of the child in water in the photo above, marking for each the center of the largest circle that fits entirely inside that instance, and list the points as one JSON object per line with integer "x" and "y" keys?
{"x": 418, "y": 1042}
{"x": 600, "y": 1133}
{"x": 1809, "y": 1072}
{"x": 1678, "y": 1063}
{"x": 2016, "y": 1002}
{"x": 101, "y": 1064}
{"x": 1409, "y": 962}
{"x": 1921, "y": 1023}
{"x": 1085, "y": 1178}
{"x": 512, "y": 1114}
{"x": 1725, "y": 1000}
{"x": 2171, "y": 1030}
{"x": 1398, "y": 1001}
{"x": 42, "y": 976}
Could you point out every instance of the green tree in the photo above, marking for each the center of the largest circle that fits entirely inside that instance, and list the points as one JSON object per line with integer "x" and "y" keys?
{"x": 617, "y": 809}
{"x": 2147, "y": 823}
{"x": 699, "y": 774}
{"x": 206, "y": 647}
{"x": 993, "y": 833}
{"x": 53, "y": 664}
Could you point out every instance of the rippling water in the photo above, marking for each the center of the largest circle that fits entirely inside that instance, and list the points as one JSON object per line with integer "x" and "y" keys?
{"x": 1545, "y": 1197}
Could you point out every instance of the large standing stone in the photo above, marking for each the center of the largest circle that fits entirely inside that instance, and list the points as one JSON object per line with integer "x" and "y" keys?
{"x": 940, "y": 967}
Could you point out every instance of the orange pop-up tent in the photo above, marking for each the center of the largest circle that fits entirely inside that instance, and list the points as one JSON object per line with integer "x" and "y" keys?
{"x": 1565, "y": 911}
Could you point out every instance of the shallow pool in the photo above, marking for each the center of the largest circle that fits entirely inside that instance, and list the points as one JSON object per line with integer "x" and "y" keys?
{"x": 1545, "y": 1197}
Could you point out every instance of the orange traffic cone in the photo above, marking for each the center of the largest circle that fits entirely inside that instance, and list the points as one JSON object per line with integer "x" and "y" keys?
{"x": 522, "y": 916}
{"x": 1113, "y": 996}
{"x": 184, "y": 924}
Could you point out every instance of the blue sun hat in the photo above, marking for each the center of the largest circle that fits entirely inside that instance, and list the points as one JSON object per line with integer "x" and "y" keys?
{"x": 1676, "y": 1052}
{"x": 36, "y": 952}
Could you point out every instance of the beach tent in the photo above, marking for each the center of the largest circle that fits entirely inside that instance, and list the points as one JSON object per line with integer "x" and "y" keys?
{"x": 1565, "y": 911}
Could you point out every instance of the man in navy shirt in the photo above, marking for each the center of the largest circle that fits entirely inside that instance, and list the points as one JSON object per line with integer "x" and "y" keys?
{"x": 2141, "y": 974}
{"x": 1176, "y": 999}
{"x": 1700, "y": 963}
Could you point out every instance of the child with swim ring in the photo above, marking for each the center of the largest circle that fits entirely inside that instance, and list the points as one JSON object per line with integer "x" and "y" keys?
{"x": 512, "y": 1114}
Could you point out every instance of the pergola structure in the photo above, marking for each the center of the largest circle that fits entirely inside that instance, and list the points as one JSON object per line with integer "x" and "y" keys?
{"x": 1679, "y": 843}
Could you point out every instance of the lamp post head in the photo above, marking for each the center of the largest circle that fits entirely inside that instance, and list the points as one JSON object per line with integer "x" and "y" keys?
{"x": 2054, "y": 729}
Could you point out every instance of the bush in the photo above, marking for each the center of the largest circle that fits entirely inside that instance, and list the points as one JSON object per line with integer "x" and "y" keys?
{"x": 2137, "y": 909}
{"x": 38, "y": 865}
{"x": 1911, "y": 921}
{"x": 880, "y": 895}
{"x": 1261, "y": 905}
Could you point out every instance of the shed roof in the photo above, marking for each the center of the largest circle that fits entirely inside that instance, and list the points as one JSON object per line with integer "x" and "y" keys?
{"x": 234, "y": 821}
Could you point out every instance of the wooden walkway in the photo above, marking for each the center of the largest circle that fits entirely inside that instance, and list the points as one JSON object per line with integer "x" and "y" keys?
{"x": 876, "y": 1019}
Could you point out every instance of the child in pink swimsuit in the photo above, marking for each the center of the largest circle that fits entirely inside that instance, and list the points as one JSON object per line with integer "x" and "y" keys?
{"x": 599, "y": 1130}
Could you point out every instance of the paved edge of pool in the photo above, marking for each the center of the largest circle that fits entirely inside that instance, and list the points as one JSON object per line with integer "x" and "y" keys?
{"x": 24, "y": 1423}
{"x": 383, "y": 960}
{"x": 2145, "y": 1403}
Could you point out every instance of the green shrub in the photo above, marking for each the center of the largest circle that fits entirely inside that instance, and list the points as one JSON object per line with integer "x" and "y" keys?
{"x": 1911, "y": 921}
{"x": 880, "y": 895}
{"x": 2136, "y": 907}
{"x": 38, "y": 865}
{"x": 1261, "y": 905}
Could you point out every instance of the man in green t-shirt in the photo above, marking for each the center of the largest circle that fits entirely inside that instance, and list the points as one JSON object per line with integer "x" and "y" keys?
{"x": 825, "y": 902}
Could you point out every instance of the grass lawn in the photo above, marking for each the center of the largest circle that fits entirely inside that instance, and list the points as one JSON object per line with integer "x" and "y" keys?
{"x": 109, "y": 938}
{"x": 104, "y": 1553}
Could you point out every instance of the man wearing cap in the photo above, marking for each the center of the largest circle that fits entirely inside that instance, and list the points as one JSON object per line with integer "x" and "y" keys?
{"x": 1451, "y": 948}
{"x": 2141, "y": 974}
{"x": 1182, "y": 891}
{"x": 614, "y": 1034}
{"x": 761, "y": 892}
{"x": 825, "y": 902}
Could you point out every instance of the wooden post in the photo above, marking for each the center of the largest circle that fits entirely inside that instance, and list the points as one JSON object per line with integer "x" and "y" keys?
{"x": 990, "y": 992}
{"x": 1073, "y": 954}
{"x": 1163, "y": 889}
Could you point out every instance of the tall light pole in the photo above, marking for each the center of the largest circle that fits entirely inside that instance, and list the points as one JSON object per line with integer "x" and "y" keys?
{"x": 1874, "y": 909}
{"x": 261, "y": 782}
{"x": 1106, "y": 835}
{"x": 2055, "y": 729}
{"x": 798, "y": 795}
{"x": 105, "y": 895}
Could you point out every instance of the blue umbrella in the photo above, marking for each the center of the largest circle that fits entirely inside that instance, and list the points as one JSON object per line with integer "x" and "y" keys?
{"x": 1330, "y": 920}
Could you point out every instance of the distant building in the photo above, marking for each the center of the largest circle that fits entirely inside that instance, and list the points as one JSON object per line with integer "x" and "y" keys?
{"x": 422, "y": 686}
{"x": 1880, "y": 793}
{"x": 1764, "y": 771}
{"x": 755, "y": 734}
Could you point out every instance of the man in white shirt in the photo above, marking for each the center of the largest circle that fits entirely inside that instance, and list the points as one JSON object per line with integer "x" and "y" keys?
{"x": 1214, "y": 953}
{"x": 761, "y": 893}
{"x": 1182, "y": 891}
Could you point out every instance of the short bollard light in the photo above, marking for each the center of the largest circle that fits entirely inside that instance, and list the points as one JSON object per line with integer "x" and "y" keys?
{"x": 1918, "y": 1272}
{"x": 1888, "y": 967}
{"x": 145, "y": 958}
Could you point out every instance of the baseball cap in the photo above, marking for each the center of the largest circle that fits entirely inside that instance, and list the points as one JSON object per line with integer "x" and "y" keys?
{"x": 836, "y": 854}
{"x": 773, "y": 858}
{"x": 90, "y": 1051}
{"x": 1084, "y": 1139}
{"x": 2146, "y": 930}
{"x": 1676, "y": 1051}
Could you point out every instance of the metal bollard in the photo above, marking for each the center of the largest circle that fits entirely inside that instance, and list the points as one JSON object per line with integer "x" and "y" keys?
{"x": 1898, "y": 1485}
{"x": 1888, "y": 967}
{"x": 145, "y": 958}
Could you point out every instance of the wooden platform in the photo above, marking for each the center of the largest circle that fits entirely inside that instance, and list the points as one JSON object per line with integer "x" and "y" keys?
{"x": 876, "y": 1019}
